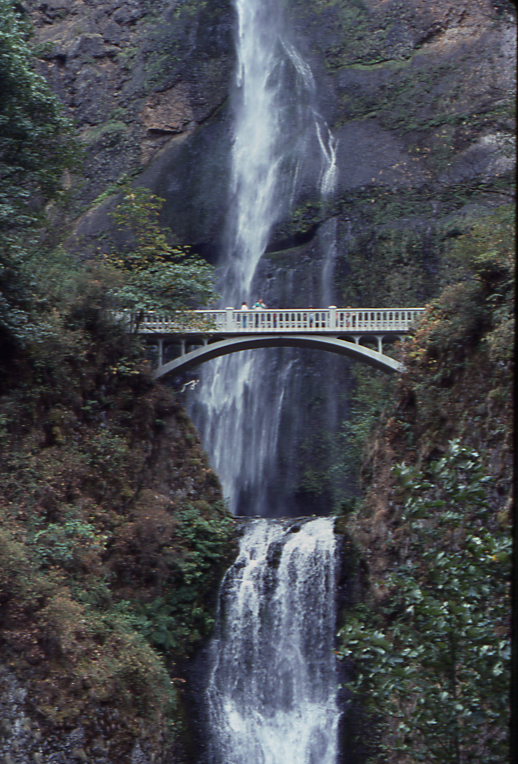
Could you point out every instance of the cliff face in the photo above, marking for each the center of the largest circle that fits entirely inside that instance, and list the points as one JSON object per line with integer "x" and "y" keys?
{"x": 433, "y": 529}
{"x": 457, "y": 385}
{"x": 134, "y": 77}
{"x": 418, "y": 97}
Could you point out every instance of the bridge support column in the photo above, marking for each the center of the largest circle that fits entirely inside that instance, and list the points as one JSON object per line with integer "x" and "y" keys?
{"x": 160, "y": 346}
{"x": 379, "y": 337}
{"x": 182, "y": 343}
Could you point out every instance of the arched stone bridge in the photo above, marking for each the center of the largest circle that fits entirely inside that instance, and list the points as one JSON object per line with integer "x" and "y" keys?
{"x": 194, "y": 337}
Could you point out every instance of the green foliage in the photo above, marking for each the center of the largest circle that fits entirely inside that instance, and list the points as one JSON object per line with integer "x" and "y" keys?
{"x": 433, "y": 661}
{"x": 101, "y": 650}
{"x": 104, "y": 579}
{"x": 179, "y": 616}
{"x": 487, "y": 250}
{"x": 372, "y": 392}
{"x": 154, "y": 274}
{"x": 481, "y": 303}
{"x": 35, "y": 147}
{"x": 57, "y": 541}
{"x": 52, "y": 306}
{"x": 35, "y": 144}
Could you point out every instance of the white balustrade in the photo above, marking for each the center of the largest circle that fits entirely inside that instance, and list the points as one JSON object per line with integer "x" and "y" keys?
{"x": 300, "y": 320}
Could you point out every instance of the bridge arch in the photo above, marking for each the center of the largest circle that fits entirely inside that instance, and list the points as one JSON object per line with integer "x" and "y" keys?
{"x": 314, "y": 342}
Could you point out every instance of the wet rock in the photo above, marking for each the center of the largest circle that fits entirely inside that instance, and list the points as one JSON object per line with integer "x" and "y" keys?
{"x": 114, "y": 62}
{"x": 87, "y": 45}
{"x": 169, "y": 111}
{"x": 138, "y": 756}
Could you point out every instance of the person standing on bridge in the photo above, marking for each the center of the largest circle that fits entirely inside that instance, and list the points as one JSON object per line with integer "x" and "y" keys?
{"x": 258, "y": 305}
{"x": 244, "y": 306}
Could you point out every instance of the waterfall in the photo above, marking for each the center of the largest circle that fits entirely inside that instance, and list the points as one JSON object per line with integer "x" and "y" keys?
{"x": 278, "y": 137}
{"x": 272, "y": 686}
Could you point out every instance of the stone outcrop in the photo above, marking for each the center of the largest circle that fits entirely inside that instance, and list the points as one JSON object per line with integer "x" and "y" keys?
{"x": 130, "y": 74}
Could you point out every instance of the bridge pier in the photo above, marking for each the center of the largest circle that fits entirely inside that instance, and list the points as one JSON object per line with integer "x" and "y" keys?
{"x": 160, "y": 347}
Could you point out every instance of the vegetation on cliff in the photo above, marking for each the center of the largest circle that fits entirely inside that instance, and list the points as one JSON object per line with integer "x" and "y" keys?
{"x": 430, "y": 649}
{"x": 150, "y": 273}
{"x": 433, "y": 657}
{"x": 113, "y": 540}
{"x": 35, "y": 136}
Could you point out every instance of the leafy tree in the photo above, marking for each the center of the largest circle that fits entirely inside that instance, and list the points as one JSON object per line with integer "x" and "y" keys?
{"x": 433, "y": 662}
{"x": 154, "y": 274}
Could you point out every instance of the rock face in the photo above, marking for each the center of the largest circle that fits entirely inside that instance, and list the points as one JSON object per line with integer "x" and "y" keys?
{"x": 417, "y": 95}
{"x": 133, "y": 76}
{"x": 419, "y": 98}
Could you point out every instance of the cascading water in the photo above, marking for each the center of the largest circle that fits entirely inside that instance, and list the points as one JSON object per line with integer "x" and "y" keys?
{"x": 273, "y": 686}
{"x": 278, "y": 133}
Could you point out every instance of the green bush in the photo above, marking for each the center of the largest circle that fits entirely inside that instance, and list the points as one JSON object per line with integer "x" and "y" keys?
{"x": 432, "y": 663}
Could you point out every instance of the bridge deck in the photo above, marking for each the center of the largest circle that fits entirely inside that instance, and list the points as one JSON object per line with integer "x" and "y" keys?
{"x": 229, "y": 322}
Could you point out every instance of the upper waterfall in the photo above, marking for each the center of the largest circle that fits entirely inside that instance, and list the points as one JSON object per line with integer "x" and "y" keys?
{"x": 275, "y": 121}
{"x": 278, "y": 133}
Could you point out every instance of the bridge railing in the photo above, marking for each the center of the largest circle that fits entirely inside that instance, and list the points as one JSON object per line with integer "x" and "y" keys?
{"x": 231, "y": 321}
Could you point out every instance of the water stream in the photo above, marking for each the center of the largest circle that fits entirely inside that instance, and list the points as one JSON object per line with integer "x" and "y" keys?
{"x": 272, "y": 686}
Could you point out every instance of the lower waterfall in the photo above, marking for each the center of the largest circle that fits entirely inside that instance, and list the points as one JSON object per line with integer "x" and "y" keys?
{"x": 272, "y": 688}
